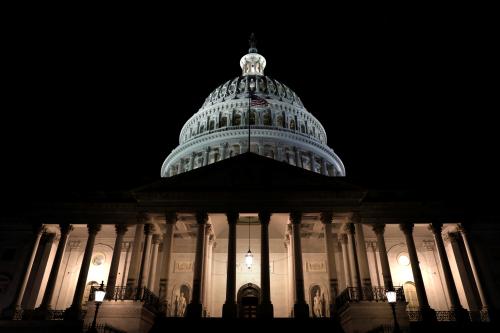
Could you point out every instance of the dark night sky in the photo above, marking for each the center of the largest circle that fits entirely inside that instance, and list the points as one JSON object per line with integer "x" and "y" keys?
{"x": 98, "y": 103}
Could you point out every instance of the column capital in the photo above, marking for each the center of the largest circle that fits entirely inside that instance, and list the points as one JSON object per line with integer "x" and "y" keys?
{"x": 296, "y": 217}
{"x": 93, "y": 228}
{"x": 148, "y": 229}
{"x": 170, "y": 217}
{"x": 201, "y": 217}
{"x": 121, "y": 229}
{"x": 464, "y": 228}
{"x": 406, "y": 228}
{"x": 38, "y": 228}
{"x": 157, "y": 239}
{"x": 65, "y": 228}
{"x": 453, "y": 236}
{"x": 355, "y": 218}
{"x": 326, "y": 217}
{"x": 232, "y": 217}
{"x": 142, "y": 217}
{"x": 349, "y": 228}
{"x": 343, "y": 238}
{"x": 378, "y": 228}
{"x": 264, "y": 217}
{"x": 436, "y": 227}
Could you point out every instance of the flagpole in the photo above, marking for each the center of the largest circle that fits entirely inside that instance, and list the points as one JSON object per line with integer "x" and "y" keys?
{"x": 248, "y": 116}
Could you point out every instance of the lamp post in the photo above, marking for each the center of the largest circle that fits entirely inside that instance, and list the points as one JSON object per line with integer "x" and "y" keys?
{"x": 391, "y": 299}
{"x": 98, "y": 298}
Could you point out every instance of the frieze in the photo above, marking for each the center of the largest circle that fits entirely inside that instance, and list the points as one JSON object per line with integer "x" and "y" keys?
{"x": 183, "y": 266}
{"x": 315, "y": 266}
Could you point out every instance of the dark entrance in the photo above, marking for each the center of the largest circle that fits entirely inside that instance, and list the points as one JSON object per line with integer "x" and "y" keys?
{"x": 248, "y": 301}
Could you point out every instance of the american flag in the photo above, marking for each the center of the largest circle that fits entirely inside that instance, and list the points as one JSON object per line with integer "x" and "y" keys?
{"x": 257, "y": 101}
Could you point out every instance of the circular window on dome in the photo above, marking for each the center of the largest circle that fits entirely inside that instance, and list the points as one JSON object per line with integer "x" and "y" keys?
{"x": 98, "y": 259}
{"x": 403, "y": 259}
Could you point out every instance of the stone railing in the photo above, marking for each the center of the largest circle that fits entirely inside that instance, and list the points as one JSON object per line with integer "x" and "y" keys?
{"x": 416, "y": 315}
{"x": 374, "y": 294}
{"x": 122, "y": 293}
{"x": 104, "y": 328}
{"x": 33, "y": 314}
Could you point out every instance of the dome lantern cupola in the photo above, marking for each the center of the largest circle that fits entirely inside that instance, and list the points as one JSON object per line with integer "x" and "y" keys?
{"x": 253, "y": 63}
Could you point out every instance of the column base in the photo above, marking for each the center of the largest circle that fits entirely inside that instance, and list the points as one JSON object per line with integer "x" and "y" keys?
{"x": 11, "y": 313}
{"x": 428, "y": 314}
{"x": 461, "y": 315}
{"x": 194, "y": 310}
{"x": 229, "y": 310}
{"x": 301, "y": 311}
{"x": 266, "y": 310}
{"x": 41, "y": 313}
{"x": 73, "y": 313}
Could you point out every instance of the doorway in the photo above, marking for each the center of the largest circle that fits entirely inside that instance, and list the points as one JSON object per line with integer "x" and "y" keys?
{"x": 248, "y": 301}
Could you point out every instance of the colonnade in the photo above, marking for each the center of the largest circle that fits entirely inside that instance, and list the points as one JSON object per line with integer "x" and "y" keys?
{"x": 143, "y": 269}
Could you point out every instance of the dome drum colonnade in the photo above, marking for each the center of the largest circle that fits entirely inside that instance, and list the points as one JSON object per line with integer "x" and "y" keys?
{"x": 356, "y": 275}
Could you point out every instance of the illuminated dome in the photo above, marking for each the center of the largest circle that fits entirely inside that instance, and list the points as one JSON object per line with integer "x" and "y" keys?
{"x": 280, "y": 127}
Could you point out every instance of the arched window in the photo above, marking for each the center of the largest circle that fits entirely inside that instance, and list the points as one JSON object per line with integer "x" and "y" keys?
{"x": 223, "y": 122}
{"x": 202, "y": 129}
{"x": 292, "y": 124}
{"x": 237, "y": 120}
{"x": 279, "y": 121}
{"x": 252, "y": 118}
{"x": 211, "y": 126}
{"x": 302, "y": 129}
{"x": 267, "y": 118}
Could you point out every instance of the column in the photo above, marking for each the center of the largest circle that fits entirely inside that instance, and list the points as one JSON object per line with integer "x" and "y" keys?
{"x": 291, "y": 272}
{"x": 363, "y": 258}
{"x": 327, "y": 220}
{"x": 45, "y": 306}
{"x": 133, "y": 270}
{"x": 120, "y": 229}
{"x": 222, "y": 151}
{"x": 324, "y": 169}
{"x": 168, "y": 243}
{"x": 208, "y": 273}
{"x": 229, "y": 309}
{"x": 300, "y": 308}
{"x": 298, "y": 161}
{"x": 143, "y": 270}
{"x": 464, "y": 231}
{"x": 379, "y": 229}
{"x": 345, "y": 259}
{"x": 266, "y": 306}
{"x": 10, "y": 312}
{"x": 464, "y": 271}
{"x": 204, "y": 277}
{"x": 373, "y": 246}
{"x": 461, "y": 315}
{"x": 191, "y": 161}
{"x": 194, "y": 308}
{"x": 353, "y": 256}
{"x": 127, "y": 245}
{"x": 74, "y": 311}
{"x": 428, "y": 314}
{"x": 153, "y": 262}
